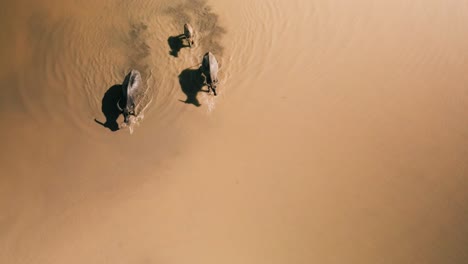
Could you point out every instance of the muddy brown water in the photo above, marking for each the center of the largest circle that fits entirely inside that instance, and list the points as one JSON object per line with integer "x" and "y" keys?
{"x": 339, "y": 134}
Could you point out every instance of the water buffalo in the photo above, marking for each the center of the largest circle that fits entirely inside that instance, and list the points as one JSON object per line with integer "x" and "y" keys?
{"x": 189, "y": 34}
{"x": 130, "y": 86}
{"x": 209, "y": 68}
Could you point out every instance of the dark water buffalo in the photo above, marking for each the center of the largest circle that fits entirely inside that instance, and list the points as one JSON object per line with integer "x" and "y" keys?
{"x": 130, "y": 86}
{"x": 189, "y": 34}
{"x": 209, "y": 68}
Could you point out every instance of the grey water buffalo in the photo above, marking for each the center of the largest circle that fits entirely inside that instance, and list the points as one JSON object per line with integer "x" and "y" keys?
{"x": 189, "y": 34}
{"x": 130, "y": 86}
{"x": 209, "y": 68}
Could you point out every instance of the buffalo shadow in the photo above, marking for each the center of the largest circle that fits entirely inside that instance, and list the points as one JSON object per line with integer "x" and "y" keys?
{"x": 191, "y": 82}
{"x": 109, "y": 107}
{"x": 176, "y": 43}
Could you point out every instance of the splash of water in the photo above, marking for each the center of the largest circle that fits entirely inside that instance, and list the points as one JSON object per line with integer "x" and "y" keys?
{"x": 134, "y": 121}
{"x": 209, "y": 101}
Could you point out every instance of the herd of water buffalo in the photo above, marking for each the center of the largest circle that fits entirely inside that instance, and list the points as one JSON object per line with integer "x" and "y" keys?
{"x": 132, "y": 82}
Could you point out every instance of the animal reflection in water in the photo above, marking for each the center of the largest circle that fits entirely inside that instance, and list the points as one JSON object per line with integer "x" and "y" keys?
{"x": 121, "y": 99}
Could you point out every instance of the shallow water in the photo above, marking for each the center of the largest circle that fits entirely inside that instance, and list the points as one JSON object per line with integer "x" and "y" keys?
{"x": 339, "y": 134}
